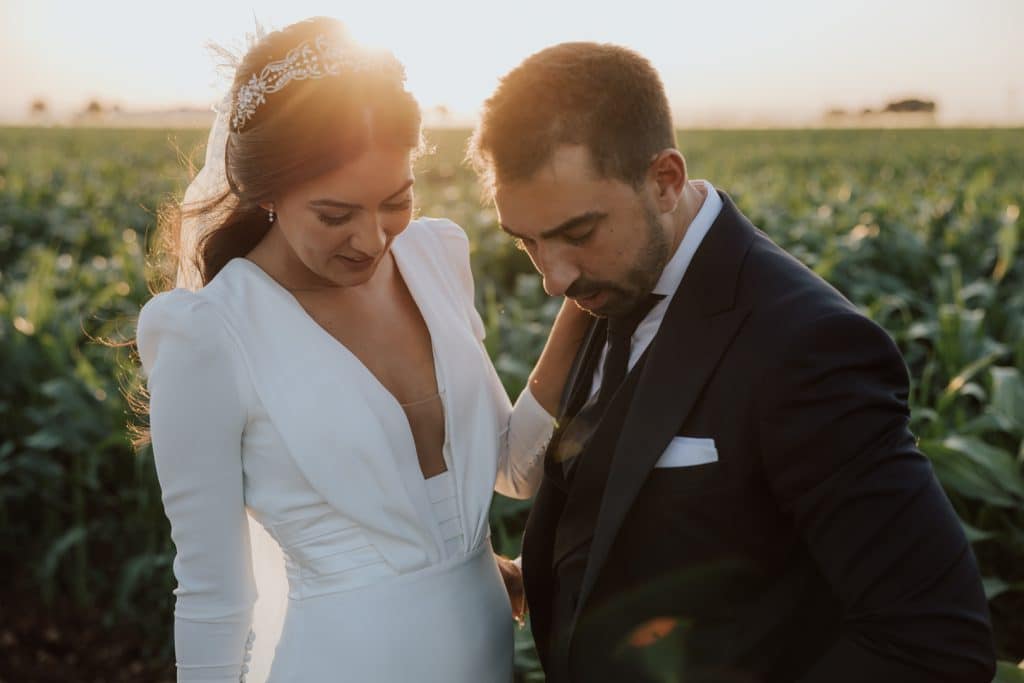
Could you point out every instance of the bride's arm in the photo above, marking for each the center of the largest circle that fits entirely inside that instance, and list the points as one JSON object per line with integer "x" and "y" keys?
{"x": 531, "y": 425}
{"x": 532, "y": 420}
{"x": 196, "y": 422}
{"x": 547, "y": 381}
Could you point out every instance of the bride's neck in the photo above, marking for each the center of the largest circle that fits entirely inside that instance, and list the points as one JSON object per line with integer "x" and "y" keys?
{"x": 275, "y": 256}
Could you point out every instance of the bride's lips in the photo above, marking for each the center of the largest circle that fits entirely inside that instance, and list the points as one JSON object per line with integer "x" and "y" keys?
{"x": 357, "y": 264}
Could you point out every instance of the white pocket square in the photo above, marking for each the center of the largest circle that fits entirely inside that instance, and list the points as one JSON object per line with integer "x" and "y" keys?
{"x": 687, "y": 451}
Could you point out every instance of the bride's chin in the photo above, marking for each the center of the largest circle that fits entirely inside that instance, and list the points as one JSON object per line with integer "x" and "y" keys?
{"x": 347, "y": 273}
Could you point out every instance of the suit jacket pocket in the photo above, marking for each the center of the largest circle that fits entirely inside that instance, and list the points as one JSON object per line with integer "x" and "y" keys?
{"x": 688, "y": 464}
{"x": 688, "y": 451}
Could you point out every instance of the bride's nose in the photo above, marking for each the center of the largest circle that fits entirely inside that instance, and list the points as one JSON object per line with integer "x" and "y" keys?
{"x": 370, "y": 238}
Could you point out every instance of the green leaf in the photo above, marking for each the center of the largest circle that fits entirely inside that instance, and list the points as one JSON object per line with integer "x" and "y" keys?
{"x": 1008, "y": 672}
{"x": 60, "y": 547}
{"x": 44, "y": 440}
{"x": 994, "y": 587}
{"x": 921, "y": 330}
{"x": 957, "y": 384}
{"x": 1006, "y": 243}
{"x": 138, "y": 569}
{"x": 1008, "y": 395}
{"x": 960, "y": 474}
{"x": 975, "y": 535}
{"x": 997, "y": 462}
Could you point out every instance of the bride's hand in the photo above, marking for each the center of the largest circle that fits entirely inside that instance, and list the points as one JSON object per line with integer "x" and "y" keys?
{"x": 513, "y": 577}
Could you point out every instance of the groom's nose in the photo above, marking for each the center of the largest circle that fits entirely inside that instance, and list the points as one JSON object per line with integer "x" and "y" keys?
{"x": 558, "y": 275}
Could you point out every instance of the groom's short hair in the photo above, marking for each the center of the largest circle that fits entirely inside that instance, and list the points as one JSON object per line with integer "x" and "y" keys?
{"x": 605, "y": 97}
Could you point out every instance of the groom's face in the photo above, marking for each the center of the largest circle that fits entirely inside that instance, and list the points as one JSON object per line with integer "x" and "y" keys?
{"x": 598, "y": 241}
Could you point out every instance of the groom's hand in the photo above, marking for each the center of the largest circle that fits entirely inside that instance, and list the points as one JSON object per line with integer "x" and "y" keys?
{"x": 513, "y": 577}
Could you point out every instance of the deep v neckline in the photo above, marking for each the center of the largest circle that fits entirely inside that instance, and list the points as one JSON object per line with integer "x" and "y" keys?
{"x": 390, "y": 398}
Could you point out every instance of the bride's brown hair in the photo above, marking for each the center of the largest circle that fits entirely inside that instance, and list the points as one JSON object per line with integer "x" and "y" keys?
{"x": 308, "y": 128}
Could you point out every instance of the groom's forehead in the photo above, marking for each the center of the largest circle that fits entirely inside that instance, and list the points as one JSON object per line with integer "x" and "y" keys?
{"x": 565, "y": 163}
{"x": 546, "y": 201}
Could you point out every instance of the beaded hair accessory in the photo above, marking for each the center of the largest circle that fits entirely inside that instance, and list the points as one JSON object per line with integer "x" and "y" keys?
{"x": 320, "y": 58}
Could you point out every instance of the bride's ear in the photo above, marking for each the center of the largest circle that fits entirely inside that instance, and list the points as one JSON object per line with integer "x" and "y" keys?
{"x": 267, "y": 206}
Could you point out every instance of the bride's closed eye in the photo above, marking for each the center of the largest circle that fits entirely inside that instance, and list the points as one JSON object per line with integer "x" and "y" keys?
{"x": 334, "y": 220}
{"x": 403, "y": 205}
{"x": 392, "y": 207}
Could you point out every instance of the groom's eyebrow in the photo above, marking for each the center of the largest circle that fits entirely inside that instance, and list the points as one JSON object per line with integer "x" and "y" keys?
{"x": 565, "y": 226}
{"x": 335, "y": 204}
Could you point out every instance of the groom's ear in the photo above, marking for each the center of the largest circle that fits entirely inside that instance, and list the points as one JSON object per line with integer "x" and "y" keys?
{"x": 668, "y": 173}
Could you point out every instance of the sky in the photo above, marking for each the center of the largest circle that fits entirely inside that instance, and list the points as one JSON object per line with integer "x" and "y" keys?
{"x": 729, "y": 61}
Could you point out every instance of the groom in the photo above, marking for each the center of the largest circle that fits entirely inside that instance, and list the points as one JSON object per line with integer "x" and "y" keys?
{"x": 733, "y": 493}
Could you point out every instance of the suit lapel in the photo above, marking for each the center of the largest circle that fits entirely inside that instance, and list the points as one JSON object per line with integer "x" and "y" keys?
{"x": 576, "y": 390}
{"x": 700, "y": 323}
{"x": 582, "y": 374}
{"x": 540, "y": 524}
{"x": 539, "y": 534}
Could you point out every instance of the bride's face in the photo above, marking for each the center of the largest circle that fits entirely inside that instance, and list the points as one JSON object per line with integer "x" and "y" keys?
{"x": 341, "y": 224}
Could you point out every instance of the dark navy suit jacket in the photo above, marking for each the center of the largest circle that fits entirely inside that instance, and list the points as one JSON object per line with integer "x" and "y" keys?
{"x": 818, "y": 547}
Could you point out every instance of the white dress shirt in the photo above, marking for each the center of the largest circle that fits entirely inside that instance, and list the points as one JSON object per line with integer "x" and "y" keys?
{"x": 669, "y": 281}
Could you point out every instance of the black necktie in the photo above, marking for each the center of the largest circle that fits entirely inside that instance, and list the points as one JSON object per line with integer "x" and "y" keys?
{"x": 620, "y": 333}
{"x": 613, "y": 374}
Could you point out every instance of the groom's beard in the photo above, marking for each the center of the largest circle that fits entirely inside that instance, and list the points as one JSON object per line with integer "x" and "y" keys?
{"x": 639, "y": 279}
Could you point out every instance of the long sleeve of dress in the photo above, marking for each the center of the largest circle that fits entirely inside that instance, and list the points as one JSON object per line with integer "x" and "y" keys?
{"x": 528, "y": 426}
{"x": 197, "y": 417}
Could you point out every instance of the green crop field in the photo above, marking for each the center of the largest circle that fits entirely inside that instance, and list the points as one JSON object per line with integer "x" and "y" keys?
{"x": 922, "y": 229}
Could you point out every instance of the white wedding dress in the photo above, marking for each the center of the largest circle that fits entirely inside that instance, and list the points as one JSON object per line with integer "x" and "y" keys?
{"x": 257, "y": 412}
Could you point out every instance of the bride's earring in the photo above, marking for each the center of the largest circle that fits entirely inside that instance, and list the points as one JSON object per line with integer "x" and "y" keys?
{"x": 270, "y": 216}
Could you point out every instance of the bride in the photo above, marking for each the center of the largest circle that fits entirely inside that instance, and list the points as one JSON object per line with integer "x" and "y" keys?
{"x": 324, "y": 417}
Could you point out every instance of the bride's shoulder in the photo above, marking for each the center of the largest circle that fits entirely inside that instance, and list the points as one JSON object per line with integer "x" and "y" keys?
{"x": 173, "y": 307}
{"x": 444, "y": 227}
{"x": 445, "y": 233}
{"x": 179, "y": 319}
{"x": 438, "y": 228}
